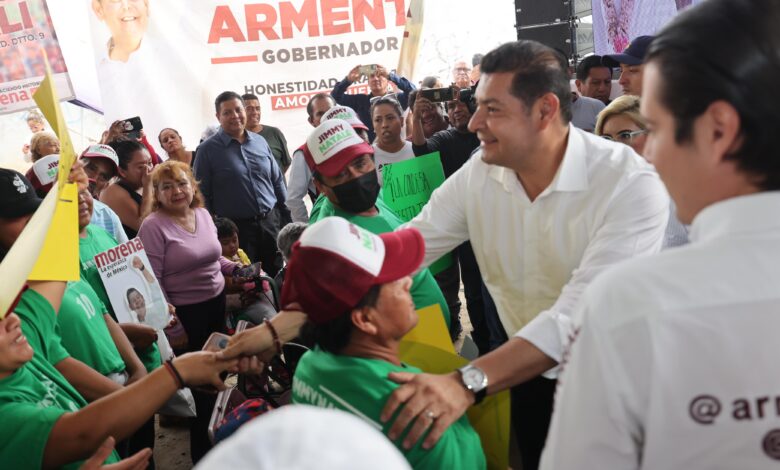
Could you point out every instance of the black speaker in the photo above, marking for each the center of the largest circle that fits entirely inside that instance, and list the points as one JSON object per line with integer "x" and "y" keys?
{"x": 557, "y": 36}
{"x": 531, "y": 12}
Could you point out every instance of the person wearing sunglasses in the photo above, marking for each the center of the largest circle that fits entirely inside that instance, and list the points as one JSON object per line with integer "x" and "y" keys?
{"x": 622, "y": 122}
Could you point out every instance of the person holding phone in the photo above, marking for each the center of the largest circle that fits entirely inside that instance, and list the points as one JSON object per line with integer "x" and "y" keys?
{"x": 377, "y": 84}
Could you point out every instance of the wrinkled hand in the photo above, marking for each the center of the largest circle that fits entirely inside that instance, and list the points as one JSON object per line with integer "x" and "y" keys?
{"x": 137, "y": 461}
{"x": 354, "y": 74}
{"x": 116, "y": 130}
{"x": 79, "y": 176}
{"x": 443, "y": 395}
{"x": 203, "y": 368}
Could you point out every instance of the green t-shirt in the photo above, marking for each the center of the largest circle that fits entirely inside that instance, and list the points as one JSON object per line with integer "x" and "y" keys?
{"x": 425, "y": 291}
{"x": 39, "y": 325}
{"x": 98, "y": 241}
{"x": 361, "y": 387}
{"x": 34, "y": 397}
{"x": 83, "y": 329}
{"x": 278, "y": 145}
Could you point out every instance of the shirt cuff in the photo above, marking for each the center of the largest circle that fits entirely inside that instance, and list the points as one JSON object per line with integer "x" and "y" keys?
{"x": 548, "y": 332}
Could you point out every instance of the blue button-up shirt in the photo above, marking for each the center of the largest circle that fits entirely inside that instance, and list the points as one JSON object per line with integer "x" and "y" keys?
{"x": 239, "y": 180}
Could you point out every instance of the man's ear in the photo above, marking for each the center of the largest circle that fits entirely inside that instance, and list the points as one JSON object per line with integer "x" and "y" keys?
{"x": 547, "y": 107}
{"x": 98, "y": 9}
{"x": 722, "y": 131}
{"x": 363, "y": 319}
{"x": 578, "y": 84}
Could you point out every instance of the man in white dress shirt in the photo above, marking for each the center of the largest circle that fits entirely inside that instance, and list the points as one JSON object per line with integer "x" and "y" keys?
{"x": 675, "y": 362}
{"x": 547, "y": 207}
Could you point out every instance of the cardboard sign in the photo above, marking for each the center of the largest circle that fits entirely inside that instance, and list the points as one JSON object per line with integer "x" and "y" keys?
{"x": 408, "y": 186}
{"x": 132, "y": 287}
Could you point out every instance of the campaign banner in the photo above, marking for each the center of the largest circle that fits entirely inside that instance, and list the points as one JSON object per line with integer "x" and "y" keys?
{"x": 132, "y": 287}
{"x": 408, "y": 186}
{"x": 26, "y": 31}
{"x": 617, "y": 22}
{"x": 167, "y": 61}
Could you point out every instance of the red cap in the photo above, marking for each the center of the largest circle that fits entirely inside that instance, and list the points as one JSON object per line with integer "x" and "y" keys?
{"x": 332, "y": 146}
{"x": 335, "y": 263}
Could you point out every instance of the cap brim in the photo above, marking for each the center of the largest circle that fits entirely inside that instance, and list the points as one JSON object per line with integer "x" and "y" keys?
{"x": 113, "y": 164}
{"x": 359, "y": 126}
{"x": 404, "y": 253}
{"x": 26, "y": 207}
{"x": 614, "y": 60}
{"x": 335, "y": 164}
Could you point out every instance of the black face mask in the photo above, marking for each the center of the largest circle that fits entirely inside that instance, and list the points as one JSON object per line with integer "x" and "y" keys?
{"x": 358, "y": 195}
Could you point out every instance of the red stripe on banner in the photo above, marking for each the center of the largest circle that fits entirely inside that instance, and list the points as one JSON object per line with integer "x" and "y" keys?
{"x": 234, "y": 60}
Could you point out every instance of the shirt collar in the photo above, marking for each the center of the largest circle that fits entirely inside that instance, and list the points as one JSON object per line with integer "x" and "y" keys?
{"x": 743, "y": 214}
{"x": 572, "y": 174}
{"x": 225, "y": 138}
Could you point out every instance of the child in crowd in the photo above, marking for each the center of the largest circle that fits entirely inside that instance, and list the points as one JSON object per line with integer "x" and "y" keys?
{"x": 244, "y": 302}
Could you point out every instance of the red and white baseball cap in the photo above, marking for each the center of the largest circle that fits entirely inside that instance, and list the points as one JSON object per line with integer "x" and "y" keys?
{"x": 346, "y": 113}
{"x": 335, "y": 263}
{"x": 332, "y": 145}
{"x": 102, "y": 151}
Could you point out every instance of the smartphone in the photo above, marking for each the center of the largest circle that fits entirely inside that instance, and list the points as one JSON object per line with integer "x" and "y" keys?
{"x": 216, "y": 342}
{"x": 132, "y": 127}
{"x": 438, "y": 95}
{"x": 368, "y": 70}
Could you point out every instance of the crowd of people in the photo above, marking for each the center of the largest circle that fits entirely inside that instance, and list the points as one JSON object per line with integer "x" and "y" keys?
{"x": 615, "y": 256}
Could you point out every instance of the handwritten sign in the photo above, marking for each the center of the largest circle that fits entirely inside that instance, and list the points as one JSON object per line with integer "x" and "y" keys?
{"x": 408, "y": 186}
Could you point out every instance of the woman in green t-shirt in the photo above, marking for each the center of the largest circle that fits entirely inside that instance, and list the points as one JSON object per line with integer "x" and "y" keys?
{"x": 359, "y": 307}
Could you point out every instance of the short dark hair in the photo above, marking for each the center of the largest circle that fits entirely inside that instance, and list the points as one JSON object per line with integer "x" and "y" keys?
{"x": 387, "y": 100}
{"x": 226, "y": 96}
{"x": 723, "y": 50}
{"x": 538, "y": 69}
{"x": 333, "y": 336}
{"x": 476, "y": 59}
{"x": 318, "y": 96}
{"x": 125, "y": 148}
{"x": 225, "y": 227}
{"x": 249, "y": 96}
{"x": 429, "y": 82}
{"x": 590, "y": 62}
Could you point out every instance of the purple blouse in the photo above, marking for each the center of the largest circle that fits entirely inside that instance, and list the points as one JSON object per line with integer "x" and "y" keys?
{"x": 189, "y": 266}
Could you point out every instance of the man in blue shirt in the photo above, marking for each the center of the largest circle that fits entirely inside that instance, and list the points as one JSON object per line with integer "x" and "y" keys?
{"x": 240, "y": 179}
{"x": 377, "y": 84}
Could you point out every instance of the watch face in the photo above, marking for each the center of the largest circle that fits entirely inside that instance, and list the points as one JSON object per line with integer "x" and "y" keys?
{"x": 474, "y": 378}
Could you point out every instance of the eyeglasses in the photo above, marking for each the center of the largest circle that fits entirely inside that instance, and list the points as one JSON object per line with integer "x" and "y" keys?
{"x": 624, "y": 136}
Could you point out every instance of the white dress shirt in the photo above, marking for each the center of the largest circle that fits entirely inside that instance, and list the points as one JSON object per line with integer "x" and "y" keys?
{"x": 675, "y": 364}
{"x": 298, "y": 187}
{"x": 605, "y": 205}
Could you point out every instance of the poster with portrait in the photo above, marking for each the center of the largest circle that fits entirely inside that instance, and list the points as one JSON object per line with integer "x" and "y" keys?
{"x": 132, "y": 287}
{"x": 166, "y": 61}
{"x": 25, "y": 31}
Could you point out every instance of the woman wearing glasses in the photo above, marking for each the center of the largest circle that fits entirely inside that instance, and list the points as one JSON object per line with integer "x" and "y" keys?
{"x": 621, "y": 122}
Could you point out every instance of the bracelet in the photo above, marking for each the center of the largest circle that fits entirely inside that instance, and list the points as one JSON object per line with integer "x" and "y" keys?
{"x": 274, "y": 335}
{"x": 175, "y": 373}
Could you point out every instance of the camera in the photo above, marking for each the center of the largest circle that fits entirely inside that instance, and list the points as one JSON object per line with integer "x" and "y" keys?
{"x": 438, "y": 95}
{"x": 468, "y": 97}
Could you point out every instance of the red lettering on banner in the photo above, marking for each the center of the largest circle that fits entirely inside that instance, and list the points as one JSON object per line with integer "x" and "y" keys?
{"x": 307, "y": 15}
{"x": 338, "y": 17}
{"x": 121, "y": 251}
{"x": 224, "y": 25}
{"x": 361, "y": 11}
{"x": 253, "y": 26}
{"x": 16, "y": 97}
{"x": 6, "y": 27}
{"x": 330, "y": 16}
{"x": 300, "y": 100}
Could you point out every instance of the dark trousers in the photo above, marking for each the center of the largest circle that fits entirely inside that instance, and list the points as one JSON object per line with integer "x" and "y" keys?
{"x": 199, "y": 321}
{"x": 496, "y": 332}
{"x": 532, "y": 405}
{"x": 257, "y": 237}
{"x": 472, "y": 290}
{"x": 449, "y": 283}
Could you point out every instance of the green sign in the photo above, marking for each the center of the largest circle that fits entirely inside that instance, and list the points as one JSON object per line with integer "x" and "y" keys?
{"x": 407, "y": 187}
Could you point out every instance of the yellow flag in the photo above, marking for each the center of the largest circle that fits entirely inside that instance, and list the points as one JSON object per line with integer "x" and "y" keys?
{"x": 46, "y": 98}
{"x": 58, "y": 259}
{"x": 431, "y": 329}
{"x": 410, "y": 46}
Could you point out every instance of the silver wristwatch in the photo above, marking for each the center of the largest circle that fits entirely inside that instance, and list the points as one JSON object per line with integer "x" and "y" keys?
{"x": 475, "y": 380}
